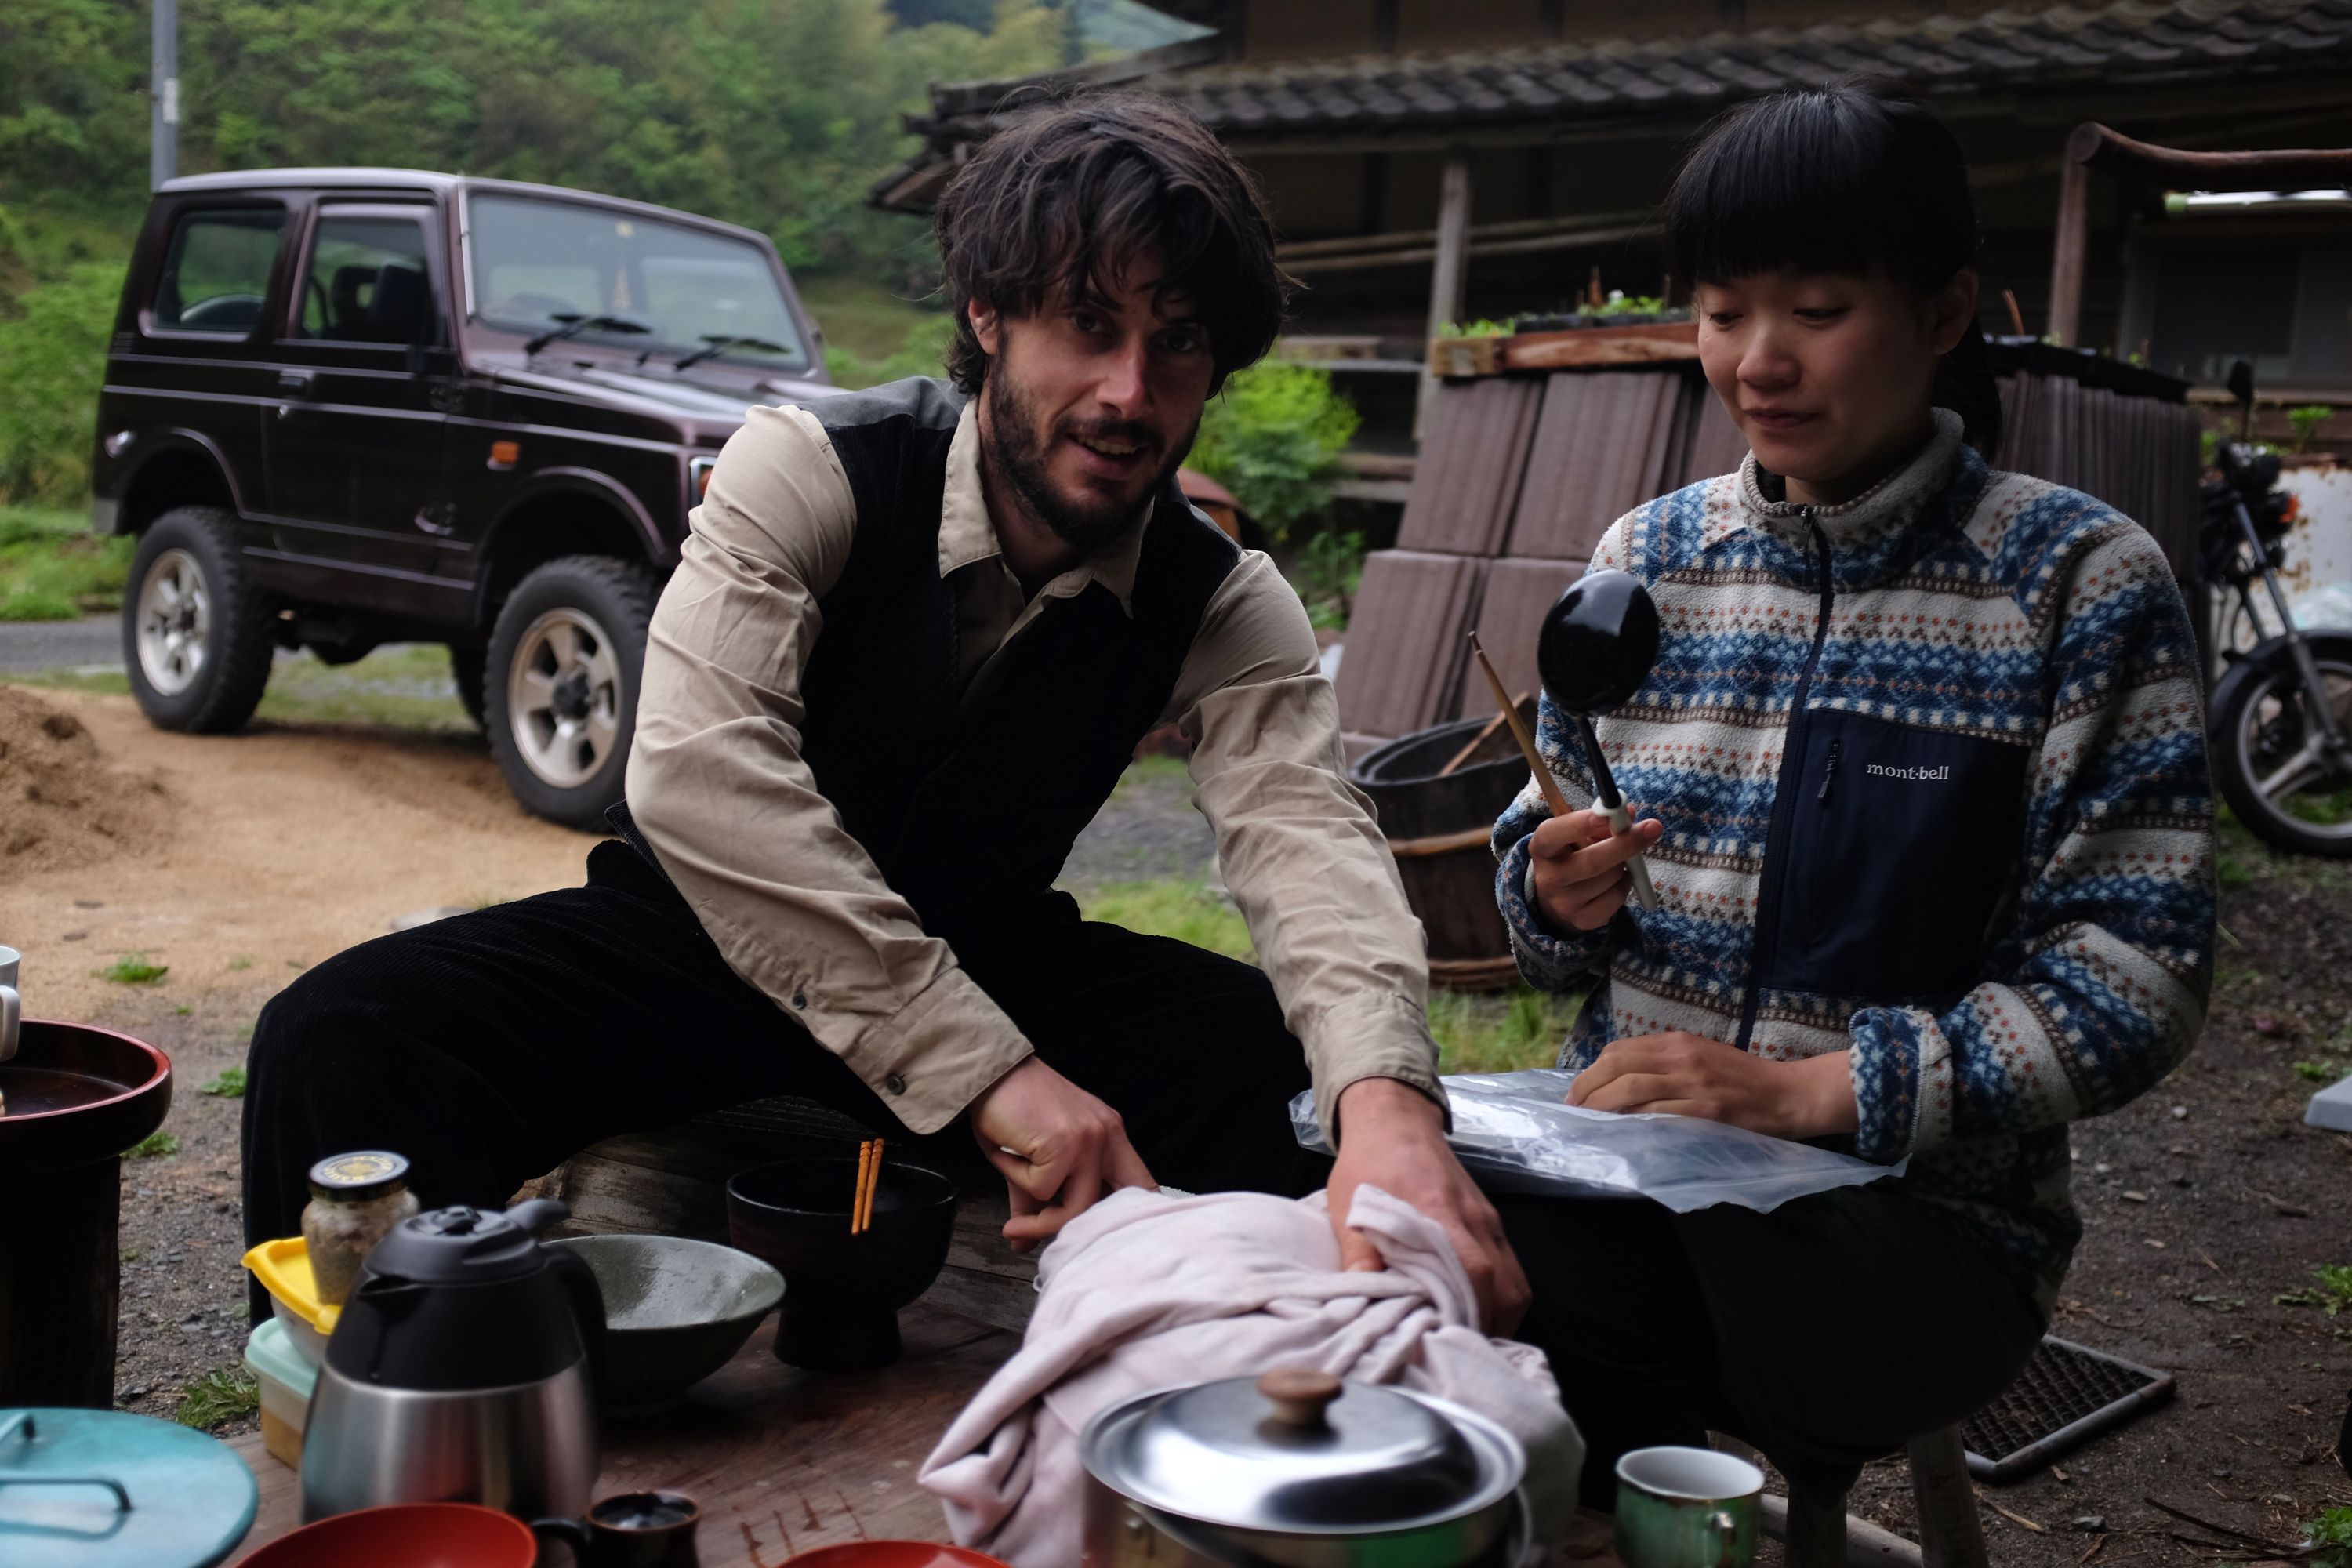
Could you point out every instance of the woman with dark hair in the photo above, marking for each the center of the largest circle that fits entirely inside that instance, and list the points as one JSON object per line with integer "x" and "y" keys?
{"x": 1926, "y": 809}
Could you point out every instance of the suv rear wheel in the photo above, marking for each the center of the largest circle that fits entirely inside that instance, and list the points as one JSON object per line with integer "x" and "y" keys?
{"x": 560, "y": 689}
{"x": 196, "y": 633}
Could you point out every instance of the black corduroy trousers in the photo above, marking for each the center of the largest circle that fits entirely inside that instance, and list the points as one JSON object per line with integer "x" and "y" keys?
{"x": 490, "y": 1047}
{"x": 1827, "y": 1333}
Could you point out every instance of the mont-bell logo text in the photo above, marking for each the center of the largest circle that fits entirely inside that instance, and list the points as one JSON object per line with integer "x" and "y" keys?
{"x": 1882, "y": 770}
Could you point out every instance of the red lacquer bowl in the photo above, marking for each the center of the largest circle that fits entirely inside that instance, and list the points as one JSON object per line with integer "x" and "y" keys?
{"x": 78, "y": 1094}
{"x": 406, "y": 1535}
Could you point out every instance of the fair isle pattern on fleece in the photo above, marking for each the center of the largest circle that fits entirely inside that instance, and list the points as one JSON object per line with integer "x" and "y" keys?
{"x": 1965, "y": 601}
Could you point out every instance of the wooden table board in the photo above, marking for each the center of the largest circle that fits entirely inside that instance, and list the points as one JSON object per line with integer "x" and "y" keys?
{"x": 784, "y": 1462}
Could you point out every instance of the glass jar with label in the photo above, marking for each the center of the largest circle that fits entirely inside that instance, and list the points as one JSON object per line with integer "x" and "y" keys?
{"x": 354, "y": 1199}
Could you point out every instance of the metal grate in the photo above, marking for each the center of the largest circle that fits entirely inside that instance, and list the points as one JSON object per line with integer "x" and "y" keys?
{"x": 2066, "y": 1396}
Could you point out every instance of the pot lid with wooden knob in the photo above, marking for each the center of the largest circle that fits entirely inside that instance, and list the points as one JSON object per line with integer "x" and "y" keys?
{"x": 1298, "y": 1450}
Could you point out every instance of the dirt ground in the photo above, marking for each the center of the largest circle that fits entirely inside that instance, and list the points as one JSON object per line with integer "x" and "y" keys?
{"x": 2205, "y": 1201}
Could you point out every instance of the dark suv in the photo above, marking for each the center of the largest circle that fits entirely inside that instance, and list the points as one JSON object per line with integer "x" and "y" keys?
{"x": 348, "y": 406}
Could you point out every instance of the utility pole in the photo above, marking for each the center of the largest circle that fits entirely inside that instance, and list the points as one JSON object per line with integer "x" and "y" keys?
{"x": 163, "y": 93}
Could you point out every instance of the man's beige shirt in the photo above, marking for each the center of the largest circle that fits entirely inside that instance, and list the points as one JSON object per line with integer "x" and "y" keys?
{"x": 717, "y": 783}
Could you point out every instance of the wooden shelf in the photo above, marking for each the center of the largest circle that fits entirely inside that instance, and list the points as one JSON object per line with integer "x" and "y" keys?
{"x": 1584, "y": 348}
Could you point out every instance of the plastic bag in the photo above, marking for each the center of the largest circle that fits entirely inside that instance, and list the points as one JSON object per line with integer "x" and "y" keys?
{"x": 1516, "y": 1132}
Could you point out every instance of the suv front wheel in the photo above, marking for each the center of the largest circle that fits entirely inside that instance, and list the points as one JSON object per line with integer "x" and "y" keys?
{"x": 560, "y": 689}
{"x": 196, "y": 633}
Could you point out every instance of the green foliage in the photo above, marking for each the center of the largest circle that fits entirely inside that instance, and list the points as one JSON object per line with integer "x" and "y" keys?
{"x": 1522, "y": 1028}
{"x": 922, "y": 351}
{"x": 52, "y": 361}
{"x": 52, "y": 568}
{"x": 2331, "y": 1538}
{"x": 224, "y": 1395}
{"x": 2333, "y": 1293}
{"x": 2306, "y": 420}
{"x": 229, "y": 1085}
{"x": 2319, "y": 1072}
{"x": 132, "y": 969}
{"x": 778, "y": 114}
{"x": 1180, "y": 907}
{"x": 1274, "y": 438}
{"x": 1327, "y": 572}
{"x": 158, "y": 1145}
{"x": 1481, "y": 328}
{"x": 2207, "y": 440}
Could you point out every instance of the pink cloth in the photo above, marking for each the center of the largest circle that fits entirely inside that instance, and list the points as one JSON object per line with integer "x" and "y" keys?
{"x": 1144, "y": 1290}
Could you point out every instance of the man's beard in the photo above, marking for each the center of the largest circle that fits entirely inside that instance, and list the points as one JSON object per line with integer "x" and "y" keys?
{"x": 1017, "y": 452}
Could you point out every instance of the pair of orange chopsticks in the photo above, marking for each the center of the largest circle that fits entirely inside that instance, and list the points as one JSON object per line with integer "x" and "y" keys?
{"x": 869, "y": 1172}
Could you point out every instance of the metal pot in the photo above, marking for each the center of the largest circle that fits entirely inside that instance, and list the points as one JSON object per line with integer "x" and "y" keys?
{"x": 1300, "y": 1469}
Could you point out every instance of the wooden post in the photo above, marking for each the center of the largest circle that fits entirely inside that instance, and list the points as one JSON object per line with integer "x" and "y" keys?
{"x": 1816, "y": 1537}
{"x": 2066, "y": 252}
{"x": 1952, "y": 1535}
{"x": 1449, "y": 273}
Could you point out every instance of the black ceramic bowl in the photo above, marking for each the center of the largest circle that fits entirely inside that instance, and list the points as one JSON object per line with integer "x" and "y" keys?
{"x": 842, "y": 1292}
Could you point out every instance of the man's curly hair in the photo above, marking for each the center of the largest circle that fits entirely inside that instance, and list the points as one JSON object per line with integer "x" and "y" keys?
{"x": 1067, "y": 196}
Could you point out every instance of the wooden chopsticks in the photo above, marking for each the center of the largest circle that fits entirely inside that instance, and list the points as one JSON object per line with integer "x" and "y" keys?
{"x": 870, "y": 1173}
{"x": 1543, "y": 781}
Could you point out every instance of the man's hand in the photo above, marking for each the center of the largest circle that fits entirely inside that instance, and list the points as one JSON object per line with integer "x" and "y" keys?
{"x": 1690, "y": 1075}
{"x": 1392, "y": 1137}
{"x": 1580, "y": 866}
{"x": 1056, "y": 1146}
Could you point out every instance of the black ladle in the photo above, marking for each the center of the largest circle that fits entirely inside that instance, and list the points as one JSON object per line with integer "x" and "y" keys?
{"x": 1599, "y": 642}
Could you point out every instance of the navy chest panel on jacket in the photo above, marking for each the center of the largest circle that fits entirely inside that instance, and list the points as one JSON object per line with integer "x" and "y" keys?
{"x": 1901, "y": 846}
{"x": 965, "y": 802}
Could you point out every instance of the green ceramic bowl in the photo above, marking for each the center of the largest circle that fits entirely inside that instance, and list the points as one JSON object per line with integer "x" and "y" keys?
{"x": 676, "y": 1311}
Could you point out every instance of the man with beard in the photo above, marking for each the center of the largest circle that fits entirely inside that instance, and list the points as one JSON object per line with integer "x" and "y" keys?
{"x": 910, "y": 645}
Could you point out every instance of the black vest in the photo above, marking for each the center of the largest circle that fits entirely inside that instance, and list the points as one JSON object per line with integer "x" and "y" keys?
{"x": 968, "y": 805}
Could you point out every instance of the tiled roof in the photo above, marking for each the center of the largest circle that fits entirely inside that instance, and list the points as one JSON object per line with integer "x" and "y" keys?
{"x": 1936, "y": 52}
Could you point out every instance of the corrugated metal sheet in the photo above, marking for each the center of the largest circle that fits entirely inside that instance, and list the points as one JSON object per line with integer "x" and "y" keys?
{"x": 2140, "y": 455}
{"x": 1601, "y": 448}
{"x": 1407, "y": 641}
{"x": 1472, "y": 454}
{"x": 1712, "y": 444}
{"x": 1510, "y": 614}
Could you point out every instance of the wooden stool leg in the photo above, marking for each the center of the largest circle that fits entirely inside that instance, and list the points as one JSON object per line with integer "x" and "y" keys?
{"x": 1816, "y": 1532}
{"x": 1951, "y": 1533}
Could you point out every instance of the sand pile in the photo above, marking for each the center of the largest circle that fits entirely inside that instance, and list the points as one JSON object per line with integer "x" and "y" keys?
{"x": 61, "y": 804}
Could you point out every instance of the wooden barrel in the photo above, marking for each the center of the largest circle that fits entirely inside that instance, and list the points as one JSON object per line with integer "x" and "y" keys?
{"x": 1438, "y": 824}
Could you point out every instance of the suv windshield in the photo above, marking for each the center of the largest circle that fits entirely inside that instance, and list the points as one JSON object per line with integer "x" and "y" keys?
{"x": 538, "y": 264}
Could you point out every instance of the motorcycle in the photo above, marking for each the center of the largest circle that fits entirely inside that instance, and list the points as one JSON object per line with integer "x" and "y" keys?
{"x": 2279, "y": 722}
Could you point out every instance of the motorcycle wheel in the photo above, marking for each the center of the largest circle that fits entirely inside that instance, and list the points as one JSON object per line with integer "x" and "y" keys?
{"x": 2287, "y": 797}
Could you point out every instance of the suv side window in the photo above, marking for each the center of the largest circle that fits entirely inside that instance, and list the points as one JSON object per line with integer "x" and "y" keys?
{"x": 216, "y": 271}
{"x": 367, "y": 282}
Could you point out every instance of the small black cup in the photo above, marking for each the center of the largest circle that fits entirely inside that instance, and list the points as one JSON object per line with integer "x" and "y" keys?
{"x": 842, "y": 1292}
{"x": 631, "y": 1530}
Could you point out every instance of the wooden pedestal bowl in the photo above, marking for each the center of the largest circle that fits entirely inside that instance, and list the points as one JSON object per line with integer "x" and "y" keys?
{"x": 76, "y": 1098}
{"x": 842, "y": 1292}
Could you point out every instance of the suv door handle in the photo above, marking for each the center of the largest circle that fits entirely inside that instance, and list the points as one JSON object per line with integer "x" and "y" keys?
{"x": 293, "y": 384}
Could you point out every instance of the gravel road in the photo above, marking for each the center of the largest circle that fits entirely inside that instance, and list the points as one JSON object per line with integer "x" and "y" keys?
{"x": 26, "y": 647}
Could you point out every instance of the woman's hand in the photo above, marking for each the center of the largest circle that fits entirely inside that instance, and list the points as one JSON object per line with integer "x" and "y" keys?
{"x": 1579, "y": 867}
{"x": 1690, "y": 1075}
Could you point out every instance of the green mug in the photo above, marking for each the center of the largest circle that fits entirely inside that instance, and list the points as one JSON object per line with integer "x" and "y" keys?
{"x": 1686, "y": 1507}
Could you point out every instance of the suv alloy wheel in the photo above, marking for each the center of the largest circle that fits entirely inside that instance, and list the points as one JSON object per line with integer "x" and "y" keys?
{"x": 561, "y": 687}
{"x": 196, "y": 633}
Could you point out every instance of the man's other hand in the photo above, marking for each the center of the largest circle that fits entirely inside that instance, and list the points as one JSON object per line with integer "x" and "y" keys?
{"x": 1056, "y": 1146}
{"x": 1580, "y": 866}
{"x": 1392, "y": 1137}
